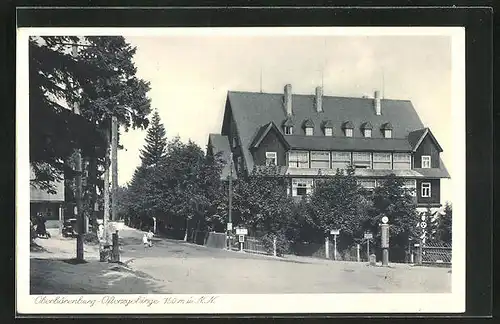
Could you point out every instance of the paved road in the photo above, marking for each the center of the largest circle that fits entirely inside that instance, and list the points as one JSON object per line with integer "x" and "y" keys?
{"x": 187, "y": 268}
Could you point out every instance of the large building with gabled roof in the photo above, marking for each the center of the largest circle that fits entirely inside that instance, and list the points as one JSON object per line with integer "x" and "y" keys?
{"x": 309, "y": 136}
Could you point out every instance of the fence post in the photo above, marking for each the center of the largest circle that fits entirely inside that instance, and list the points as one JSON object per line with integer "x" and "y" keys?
{"x": 420, "y": 248}
{"x": 274, "y": 246}
{"x": 327, "y": 247}
{"x": 357, "y": 253}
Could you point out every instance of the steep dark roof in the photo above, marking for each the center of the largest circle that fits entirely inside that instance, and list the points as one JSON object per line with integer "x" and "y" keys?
{"x": 347, "y": 143}
{"x": 262, "y": 133}
{"x": 415, "y": 138}
{"x": 327, "y": 123}
{"x": 288, "y": 122}
{"x": 308, "y": 123}
{"x": 387, "y": 126}
{"x": 347, "y": 124}
{"x": 366, "y": 125}
{"x": 220, "y": 143}
{"x": 251, "y": 110}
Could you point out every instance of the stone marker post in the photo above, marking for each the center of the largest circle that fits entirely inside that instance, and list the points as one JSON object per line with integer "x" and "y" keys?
{"x": 115, "y": 256}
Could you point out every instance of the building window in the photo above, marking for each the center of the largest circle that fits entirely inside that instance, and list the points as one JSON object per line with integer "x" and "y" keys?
{"x": 341, "y": 160}
{"x": 425, "y": 190}
{"x": 320, "y": 159}
{"x": 388, "y": 133}
{"x": 298, "y": 159}
{"x": 328, "y": 131}
{"x": 426, "y": 161}
{"x": 361, "y": 160}
{"x": 301, "y": 187}
{"x": 411, "y": 186}
{"x": 368, "y": 133}
{"x": 402, "y": 161}
{"x": 382, "y": 161}
{"x": 288, "y": 130}
{"x": 271, "y": 158}
{"x": 348, "y": 132}
{"x": 309, "y": 131}
{"x": 368, "y": 184}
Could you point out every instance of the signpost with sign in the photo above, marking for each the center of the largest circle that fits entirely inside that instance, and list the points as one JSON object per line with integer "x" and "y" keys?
{"x": 241, "y": 232}
{"x": 335, "y": 232}
{"x": 368, "y": 236}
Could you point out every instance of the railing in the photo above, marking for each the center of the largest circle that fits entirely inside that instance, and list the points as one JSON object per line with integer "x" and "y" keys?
{"x": 436, "y": 253}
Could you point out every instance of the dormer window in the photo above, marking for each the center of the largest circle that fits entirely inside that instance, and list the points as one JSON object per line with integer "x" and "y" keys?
{"x": 327, "y": 127}
{"x": 348, "y": 128}
{"x": 387, "y": 130}
{"x": 366, "y": 128}
{"x": 288, "y": 126}
{"x": 308, "y": 127}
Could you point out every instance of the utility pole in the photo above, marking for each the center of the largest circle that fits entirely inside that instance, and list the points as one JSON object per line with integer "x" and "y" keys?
{"x": 114, "y": 166}
{"x": 106, "y": 188}
{"x": 78, "y": 191}
{"x": 230, "y": 198}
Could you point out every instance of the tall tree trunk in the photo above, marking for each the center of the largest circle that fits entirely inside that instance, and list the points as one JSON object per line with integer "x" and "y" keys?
{"x": 106, "y": 187}
{"x": 92, "y": 182}
{"x": 114, "y": 167}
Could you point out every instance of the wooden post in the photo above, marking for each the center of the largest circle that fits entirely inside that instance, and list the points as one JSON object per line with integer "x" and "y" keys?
{"x": 335, "y": 247}
{"x": 114, "y": 166}
{"x": 274, "y": 246}
{"x": 116, "y": 248}
{"x": 61, "y": 219}
{"x": 358, "y": 257}
{"x": 327, "y": 247}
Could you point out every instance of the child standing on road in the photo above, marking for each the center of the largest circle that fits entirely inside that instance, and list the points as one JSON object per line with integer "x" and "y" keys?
{"x": 145, "y": 240}
{"x": 150, "y": 238}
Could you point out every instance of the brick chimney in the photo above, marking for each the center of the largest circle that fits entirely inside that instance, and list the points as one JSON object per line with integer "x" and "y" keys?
{"x": 287, "y": 99}
{"x": 319, "y": 99}
{"x": 376, "y": 103}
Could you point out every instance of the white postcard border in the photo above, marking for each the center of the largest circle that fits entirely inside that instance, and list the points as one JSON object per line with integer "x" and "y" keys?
{"x": 453, "y": 302}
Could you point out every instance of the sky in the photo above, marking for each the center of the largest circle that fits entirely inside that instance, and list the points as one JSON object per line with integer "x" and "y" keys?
{"x": 191, "y": 75}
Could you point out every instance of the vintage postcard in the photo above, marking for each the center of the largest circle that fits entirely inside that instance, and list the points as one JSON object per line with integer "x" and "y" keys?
{"x": 240, "y": 170}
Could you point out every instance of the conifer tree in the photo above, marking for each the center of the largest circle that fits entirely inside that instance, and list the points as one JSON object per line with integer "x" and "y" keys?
{"x": 156, "y": 143}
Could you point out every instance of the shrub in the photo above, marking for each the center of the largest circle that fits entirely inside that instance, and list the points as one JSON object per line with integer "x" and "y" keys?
{"x": 282, "y": 243}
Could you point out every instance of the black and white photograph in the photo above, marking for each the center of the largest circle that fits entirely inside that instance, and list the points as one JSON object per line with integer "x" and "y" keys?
{"x": 221, "y": 170}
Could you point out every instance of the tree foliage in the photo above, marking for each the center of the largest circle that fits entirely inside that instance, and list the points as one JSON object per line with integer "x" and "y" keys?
{"x": 444, "y": 224}
{"x": 339, "y": 203}
{"x": 393, "y": 200}
{"x": 100, "y": 79}
{"x": 155, "y": 149}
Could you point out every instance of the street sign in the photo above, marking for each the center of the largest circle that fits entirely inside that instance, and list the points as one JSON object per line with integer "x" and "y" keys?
{"x": 423, "y": 225}
{"x": 385, "y": 219}
{"x": 241, "y": 238}
{"x": 385, "y": 236}
{"x": 368, "y": 236}
{"x": 241, "y": 231}
{"x": 334, "y": 232}
{"x": 229, "y": 226}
